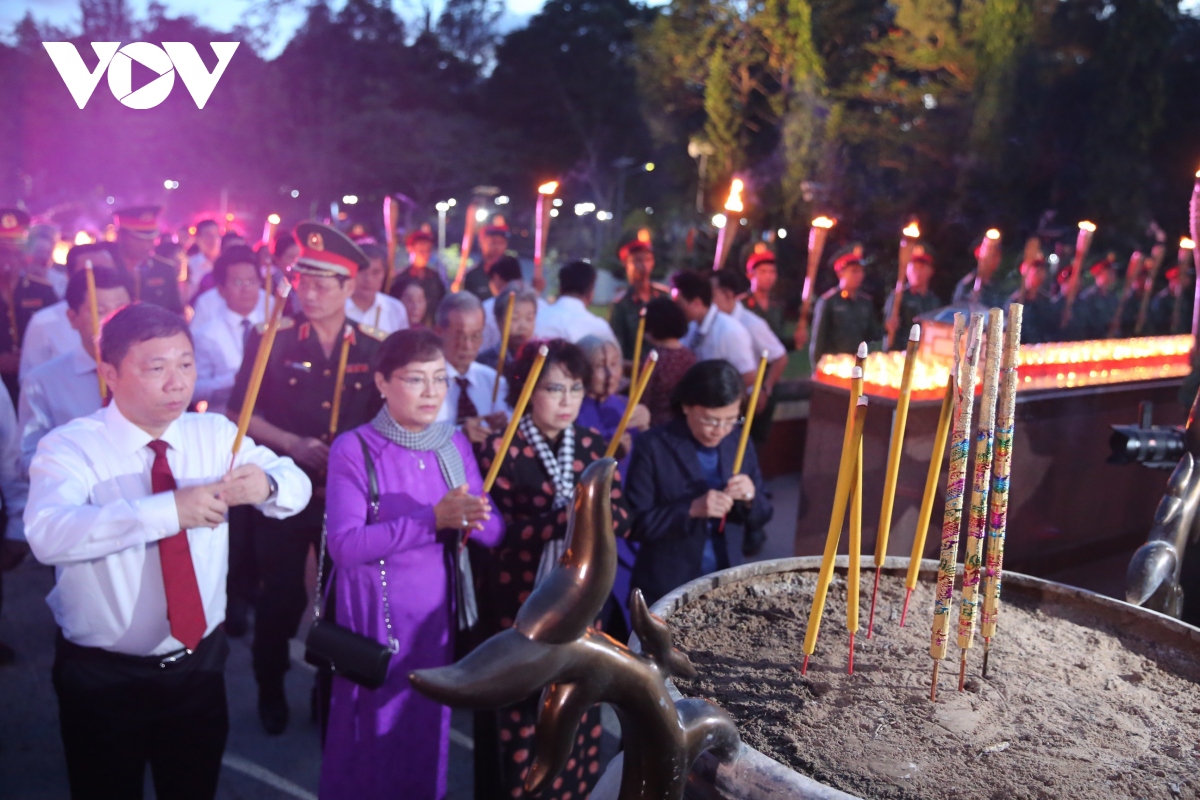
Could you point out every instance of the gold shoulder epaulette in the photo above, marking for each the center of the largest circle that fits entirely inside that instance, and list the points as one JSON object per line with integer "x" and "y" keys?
{"x": 284, "y": 324}
{"x": 374, "y": 333}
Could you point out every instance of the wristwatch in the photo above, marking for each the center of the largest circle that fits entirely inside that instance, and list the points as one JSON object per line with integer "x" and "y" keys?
{"x": 273, "y": 487}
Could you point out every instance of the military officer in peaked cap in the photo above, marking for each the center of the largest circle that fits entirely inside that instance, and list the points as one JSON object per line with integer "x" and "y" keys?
{"x": 155, "y": 280}
{"x": 638, "y": 258}
{"x": 293, "y": 416}
{"x": 21, "y": 295}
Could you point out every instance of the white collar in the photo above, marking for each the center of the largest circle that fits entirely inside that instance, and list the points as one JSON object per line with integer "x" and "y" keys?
{"x": 706, "y": 324}
{"x": 567, "y": 300}
{"x": 129, "y": 438}
{"x": 234, "y": 319}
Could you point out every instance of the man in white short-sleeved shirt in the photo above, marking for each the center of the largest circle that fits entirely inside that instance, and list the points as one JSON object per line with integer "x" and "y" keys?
{"x": 711, "y": 332}
{"x": 569, "y": 317}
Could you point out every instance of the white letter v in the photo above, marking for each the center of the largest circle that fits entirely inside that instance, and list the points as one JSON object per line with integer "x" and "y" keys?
{"x": 80, "y": 83}
{"x": 196, "y": 77}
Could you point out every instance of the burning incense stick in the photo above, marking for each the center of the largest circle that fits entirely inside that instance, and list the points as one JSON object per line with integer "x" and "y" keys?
{"x": 635, "y": 397}
{"x": 966, "y": 356}
{"x": 1001, "y": 472}
{"x": 637, "y": 347}
{"x": 893, "y": 465}
{"x": 535, "y": 371}
{"x": 977, "y": 521}
{"x": 260, "y": 367}
{"x": 340, "y": 381}
{"x": 508, "y": 312}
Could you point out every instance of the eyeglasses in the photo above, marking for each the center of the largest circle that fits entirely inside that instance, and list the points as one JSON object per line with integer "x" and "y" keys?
{"x": 418, "y": 384}
{"x": 242, "y": 283}
{"x": 558, "y": 391}
{"x": 721, "y": 424}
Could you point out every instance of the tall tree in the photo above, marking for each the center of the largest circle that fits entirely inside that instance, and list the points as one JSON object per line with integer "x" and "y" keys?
{"x": 723, "y": 125}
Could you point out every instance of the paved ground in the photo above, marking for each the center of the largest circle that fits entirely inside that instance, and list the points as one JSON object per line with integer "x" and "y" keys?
{"x": 257, "y": 766}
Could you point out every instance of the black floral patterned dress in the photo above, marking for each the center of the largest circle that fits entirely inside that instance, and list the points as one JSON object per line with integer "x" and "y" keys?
{"x": 524, "y": 494}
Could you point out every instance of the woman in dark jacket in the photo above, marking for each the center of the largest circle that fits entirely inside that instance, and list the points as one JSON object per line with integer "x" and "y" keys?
{"x": 680, "y": 484}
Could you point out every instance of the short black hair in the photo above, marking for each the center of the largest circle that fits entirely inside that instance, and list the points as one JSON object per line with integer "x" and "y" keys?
{"x": 106, "y": 278}
{"x": 665, "y": 319}
{"x": 204, "y": 223}
{"x": 80, "y": 253}
{"x": 714, "y": 383}
{"x": 506, "y": 268}
{"x": 561, "y": 352}
{"x": 231, "y": 238}
{"x": 732, "y": 281}
{"x": 238, "y": 254}
{"x": 373, "y": 251}
{"x": 404, "y": 347}
{"x": 691, "y": 286}
{"x": 138, "y": 322}
{"x": 577, "y": 278}
{"x": 168, "y": 248}
{"x": 283, "y": 240}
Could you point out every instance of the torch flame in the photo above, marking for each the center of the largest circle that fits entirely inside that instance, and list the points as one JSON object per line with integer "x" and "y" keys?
{"x": 823, "y": 222}
{"x": 643, "y": 235}
{"x": 273, "y": 219}
{"x": 993, "y": 234}
{"x": 83, "y": 238}
{"x": 1087, "y": 226}
{"x": 734, "y": 203}
{"x": 548, "y": 188}
{"x": 1187, "y": 244}
{"x": 912, "y": 230}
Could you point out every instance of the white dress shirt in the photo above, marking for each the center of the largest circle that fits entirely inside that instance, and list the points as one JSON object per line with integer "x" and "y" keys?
{"x": 198, "y": 267}
{"x": 48, "y": 334}
{"x": 220, "y": 344}
{"x": 568, "y": 318}
{"x": 480, "y": 378}
{"x": 92, "y": 515}
{"x": 53, "y": 394}
{"x": 14, "y": 486}
{"x": 721, "y": 336}
{"x": 386, "y": 313}
{"x": 761, "y": 335}
{"x": 58, "y": 280}
{"x": 210, "y": 304}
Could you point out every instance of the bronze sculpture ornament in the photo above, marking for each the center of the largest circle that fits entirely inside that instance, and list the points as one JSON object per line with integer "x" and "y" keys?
{"x": 553, "y": 647}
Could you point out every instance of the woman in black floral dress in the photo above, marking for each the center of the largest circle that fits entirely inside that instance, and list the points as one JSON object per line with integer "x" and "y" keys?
{"x": 534, "y": 491}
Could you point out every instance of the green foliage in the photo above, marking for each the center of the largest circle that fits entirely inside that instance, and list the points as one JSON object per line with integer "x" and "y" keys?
{"x": 723, "y": 124}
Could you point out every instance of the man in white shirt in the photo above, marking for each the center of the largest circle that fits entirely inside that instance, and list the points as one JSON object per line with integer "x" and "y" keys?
{"x": 208, "y": 244}
{"x": 49, "y": 332}
{"x": 67, "y": 386}
{"x": 468, "y": 402}
{"x": 221, "y": 341}
{"x": 14, "y": 487}
{"x": 369, "y": 305}
{"x": 729, "y": 288}
{"x": 712, "y": 333}
{"x": 569, "y": 318}
{"x": 129, "y": 506}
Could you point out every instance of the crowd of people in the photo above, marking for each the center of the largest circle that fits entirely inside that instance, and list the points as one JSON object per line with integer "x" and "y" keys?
{"x": 382, "y": 402}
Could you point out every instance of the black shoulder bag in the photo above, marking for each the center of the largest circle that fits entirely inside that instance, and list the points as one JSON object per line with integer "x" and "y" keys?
{"x": 355, "y": 657}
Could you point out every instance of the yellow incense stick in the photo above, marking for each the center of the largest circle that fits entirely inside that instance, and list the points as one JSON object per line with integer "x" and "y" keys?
{"x": 758, "y": 382}
{"x": 94, "y": 309}
{"x": 635, "y": 397}
{"x": 526, "y": 391}
{"x": 340, "y": 381}
{"x": 854, "y": 565}
{"x": 260, "y": 367}
{"x": 508, "y": 312}
{"x": 637, "y": 347}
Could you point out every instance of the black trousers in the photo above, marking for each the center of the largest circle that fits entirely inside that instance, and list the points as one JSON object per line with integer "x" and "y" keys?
{"x": 243, "y": 572}
{"x": 117, "y": 713}
{"x": 281, "y": 550}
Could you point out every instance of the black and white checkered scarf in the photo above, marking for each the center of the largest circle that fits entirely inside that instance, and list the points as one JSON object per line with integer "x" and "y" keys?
{"x": 561, "y": 469}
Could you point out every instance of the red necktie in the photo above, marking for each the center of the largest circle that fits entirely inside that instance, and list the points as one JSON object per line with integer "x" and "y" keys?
{"x": 466, "y": 407}
{"x": 185, "y": 611}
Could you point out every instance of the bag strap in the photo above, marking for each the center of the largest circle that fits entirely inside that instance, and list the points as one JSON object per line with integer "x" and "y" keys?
{"x": 372, "y": 480}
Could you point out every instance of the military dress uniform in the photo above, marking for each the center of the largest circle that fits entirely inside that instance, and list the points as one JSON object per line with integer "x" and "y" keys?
{"x": 912, "y": 305}
{"x": 1092, "y": 314}
{"x": 625, "y": 313}
{"x": 841, "y": 321}
{"x": 1171, "y": 311}
{"x": 29, "y": 294}
{"x": 297, "y": 396}
{"x": 155, "y": 280}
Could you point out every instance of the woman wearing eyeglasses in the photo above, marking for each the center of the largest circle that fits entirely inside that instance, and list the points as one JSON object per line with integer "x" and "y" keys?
{"x": 534, "y": 492}
{"x": 682, "y": 493}
{"x": 393, "y": 578}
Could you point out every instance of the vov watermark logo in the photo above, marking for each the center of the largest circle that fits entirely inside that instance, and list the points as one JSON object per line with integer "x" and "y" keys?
{"x": 118, "y": 61}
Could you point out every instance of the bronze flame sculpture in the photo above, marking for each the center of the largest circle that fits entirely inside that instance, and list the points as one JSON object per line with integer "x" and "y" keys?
{"x": 552, "y": 646}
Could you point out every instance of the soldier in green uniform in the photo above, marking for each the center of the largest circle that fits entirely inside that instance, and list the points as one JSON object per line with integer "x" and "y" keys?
{"x": 1094, "y": 309}
{"x": 762, "y": 272}
{"x": 1171, "y": 308}
{"x": 422, "y": 272}
{"x": 844, "y": 316}
{"x": 293, "y": 415}
{"x": 916, "y": 299}
{"x": 493, "y": 246}
{"x": 638, "y": 258}
{"x": 981, "y": 285}
{"x": 1042, "y": 312}
{"x": 154, "y": 280}
{"x": 21, "y": 294}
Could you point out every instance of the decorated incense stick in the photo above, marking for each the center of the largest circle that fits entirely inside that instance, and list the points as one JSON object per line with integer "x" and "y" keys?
{"x": 1001, "y": 472}
{"x": 978, "y": 516}
{"x": 508, "y": 312}
{"x": 259, "y": 368}
{"x": 966, "y": 356}
{"x": 841, "y": 494}
{"x": 541, "y": 231}
{"x": 908, "y": 248}
{"x": 637, "y": 347}
{"x": 854, "y": 562}
{"x": 391, "y": 218}
{"x": 340, "y": 381}
{"x": 754, "y": 395}
{"x": 635, "y": 397}
{"x": 535, "y": 372}
{"x": 94, "y": 310}
{"x": 465, "y": 250}
{"x": 931, "y": 483}
{"x": 1082, "y": 243}
{"x": 817, "y": 235}
{"x": 895, "y": 450}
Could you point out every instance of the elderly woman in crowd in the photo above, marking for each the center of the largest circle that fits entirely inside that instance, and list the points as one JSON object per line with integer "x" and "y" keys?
{"x": 523, "y": 321}
{"x": 429, "y": 488}
{"x": 681, "y": 489}
{"x": 534, "y": 492}
{"x": 602, "y": 408}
